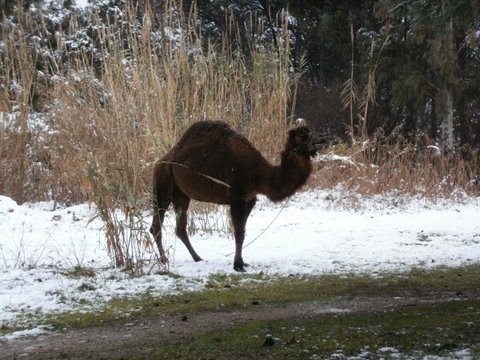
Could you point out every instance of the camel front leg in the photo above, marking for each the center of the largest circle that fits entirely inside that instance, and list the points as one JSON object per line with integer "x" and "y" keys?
{"x": 240, "y": 210}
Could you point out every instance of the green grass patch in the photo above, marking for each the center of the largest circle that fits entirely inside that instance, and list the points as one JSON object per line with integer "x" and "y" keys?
{"x": 238, "y": 291}
{"x": 438, "y": 329}
{"x": 448, "y": 330}
{"x": 225, "y": 292}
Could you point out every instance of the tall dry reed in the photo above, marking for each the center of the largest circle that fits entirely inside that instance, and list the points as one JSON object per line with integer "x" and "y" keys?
{"x": 394, "y": 167}
{"x": 108, "y": 114}
{"x": 125, "y": 105}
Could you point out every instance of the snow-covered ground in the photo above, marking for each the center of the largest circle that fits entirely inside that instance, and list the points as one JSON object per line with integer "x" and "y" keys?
{"x": 315, "y": 232}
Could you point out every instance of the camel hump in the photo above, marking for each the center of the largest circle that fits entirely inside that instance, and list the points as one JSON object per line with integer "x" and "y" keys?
{"x": 214, "y": 136}
{"x": 205, "y": 130}
{"x": 207, "y": 126}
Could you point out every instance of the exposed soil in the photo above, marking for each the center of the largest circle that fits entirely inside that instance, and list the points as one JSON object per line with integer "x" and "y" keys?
{"x": 100, "y": 341}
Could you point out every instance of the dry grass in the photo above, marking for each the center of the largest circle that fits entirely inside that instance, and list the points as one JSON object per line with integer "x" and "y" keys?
{"x": 378, "y": 168}
{"x": 86, "y": 129}
{"x": 104, "y": 117}
{"x": 121, "y": 115}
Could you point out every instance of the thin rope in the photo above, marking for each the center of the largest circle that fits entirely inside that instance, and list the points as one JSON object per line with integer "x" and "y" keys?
{"x": 264, "y": 230}
{"x": 228, "y": 186}
{"x": 215, "y": 180}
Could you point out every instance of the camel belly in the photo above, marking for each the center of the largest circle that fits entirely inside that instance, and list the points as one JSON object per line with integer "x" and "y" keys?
{"x": 216, "y": 197}
{"x": 202, "y": 187}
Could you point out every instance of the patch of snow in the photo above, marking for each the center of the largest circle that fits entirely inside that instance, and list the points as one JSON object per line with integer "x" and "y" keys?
{"x": 315, "y": 232}
{"x": 81, "y": 4}
{"x": 36, "y": 331}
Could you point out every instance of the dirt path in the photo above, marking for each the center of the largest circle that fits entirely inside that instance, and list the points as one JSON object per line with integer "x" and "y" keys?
{"x": 142, "y": 329}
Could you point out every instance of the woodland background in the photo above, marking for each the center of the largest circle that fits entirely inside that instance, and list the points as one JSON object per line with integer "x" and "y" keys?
{"x": 91, "y": 96}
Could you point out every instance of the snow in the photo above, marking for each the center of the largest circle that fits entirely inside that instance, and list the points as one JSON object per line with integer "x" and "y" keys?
{"x": 39, "y": 330}
{"x": 315, "y": 232}
{"x": 81, "y": 3}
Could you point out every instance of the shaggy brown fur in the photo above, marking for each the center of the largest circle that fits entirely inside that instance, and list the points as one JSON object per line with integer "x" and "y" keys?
{"x": 213, "y": 163}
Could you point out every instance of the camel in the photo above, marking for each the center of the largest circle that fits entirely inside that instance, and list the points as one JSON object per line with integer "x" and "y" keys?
{"x": 213, "y": 163}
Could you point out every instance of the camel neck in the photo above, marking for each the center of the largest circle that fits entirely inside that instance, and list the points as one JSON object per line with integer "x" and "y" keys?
{"x": 283, "y": 180}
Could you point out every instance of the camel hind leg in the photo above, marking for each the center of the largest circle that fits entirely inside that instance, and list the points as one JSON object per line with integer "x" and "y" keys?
{"x": 156, "y": 229}
{"x": 162, "y": 198}
{"x": 180, "y": 205}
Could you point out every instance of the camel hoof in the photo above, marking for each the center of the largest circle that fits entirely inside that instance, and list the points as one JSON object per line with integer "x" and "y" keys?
{"x": 240, "y": 267}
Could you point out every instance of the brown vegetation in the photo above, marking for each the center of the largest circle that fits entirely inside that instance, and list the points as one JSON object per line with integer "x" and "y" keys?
{"x": 84, "y": 121}
{"x": 392, "y": 166}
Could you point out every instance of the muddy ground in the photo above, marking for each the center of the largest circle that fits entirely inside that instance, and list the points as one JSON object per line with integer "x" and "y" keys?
{"x": 101, "y": 342}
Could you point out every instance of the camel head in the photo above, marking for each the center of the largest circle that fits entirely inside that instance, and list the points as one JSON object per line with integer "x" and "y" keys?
{"x": 302, "y": 141}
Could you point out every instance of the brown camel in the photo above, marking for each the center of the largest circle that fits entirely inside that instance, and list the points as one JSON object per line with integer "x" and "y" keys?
{"x": 213, "y": 163}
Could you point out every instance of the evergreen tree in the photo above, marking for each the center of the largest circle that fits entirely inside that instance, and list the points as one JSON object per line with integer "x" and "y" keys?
{"x": 426, "y": 65}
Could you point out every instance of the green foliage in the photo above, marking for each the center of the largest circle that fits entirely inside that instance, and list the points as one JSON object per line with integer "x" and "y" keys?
{"x": 429, "y": 50}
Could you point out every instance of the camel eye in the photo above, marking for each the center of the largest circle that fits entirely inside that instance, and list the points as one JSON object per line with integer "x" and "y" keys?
{"x": 304, "y": 135}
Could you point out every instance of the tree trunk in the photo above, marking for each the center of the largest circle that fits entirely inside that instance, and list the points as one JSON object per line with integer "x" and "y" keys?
{"x": 433, "y": 120}
{"x": 447, "y": 92}
{"x": 464, "y": 122}
{"x": 447, "y": 122}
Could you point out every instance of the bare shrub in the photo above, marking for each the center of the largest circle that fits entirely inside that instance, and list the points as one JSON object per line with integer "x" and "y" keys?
{"x": 209, "y": 218}
{"x": 127, "y": 240}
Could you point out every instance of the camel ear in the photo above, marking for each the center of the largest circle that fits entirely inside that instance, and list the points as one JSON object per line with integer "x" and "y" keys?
{"x": 301, "y": 134}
